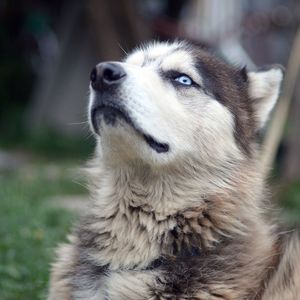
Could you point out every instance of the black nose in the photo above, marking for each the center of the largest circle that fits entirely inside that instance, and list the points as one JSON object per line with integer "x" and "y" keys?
{"x": 106, "y": 74}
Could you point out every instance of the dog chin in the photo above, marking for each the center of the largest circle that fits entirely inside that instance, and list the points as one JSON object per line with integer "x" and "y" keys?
{"x": 116, "y": 118}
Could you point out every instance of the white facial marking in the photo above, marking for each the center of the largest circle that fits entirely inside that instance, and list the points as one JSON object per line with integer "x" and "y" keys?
{"x": 264, "y": 89}
{"x": 136, "y": 58}
{"x": 181, "y": 61}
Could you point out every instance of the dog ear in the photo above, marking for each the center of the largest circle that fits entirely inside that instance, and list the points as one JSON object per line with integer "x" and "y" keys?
{"x": 264, "y": 90}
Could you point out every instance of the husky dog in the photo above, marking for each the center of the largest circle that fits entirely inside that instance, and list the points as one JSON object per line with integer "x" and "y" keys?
{"x": 178, "y": 197}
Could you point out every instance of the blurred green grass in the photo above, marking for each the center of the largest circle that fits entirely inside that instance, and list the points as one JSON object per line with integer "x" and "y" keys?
{"x": 47, "y": 144}
{"x": 30, "y": 229}
{"x": 289, "y": 199}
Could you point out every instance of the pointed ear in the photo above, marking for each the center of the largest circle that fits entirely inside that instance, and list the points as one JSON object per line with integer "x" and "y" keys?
{"x": 264, "y": 89}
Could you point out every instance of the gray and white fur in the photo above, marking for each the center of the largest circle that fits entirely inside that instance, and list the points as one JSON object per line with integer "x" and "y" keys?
{"x": 179, "y": 202}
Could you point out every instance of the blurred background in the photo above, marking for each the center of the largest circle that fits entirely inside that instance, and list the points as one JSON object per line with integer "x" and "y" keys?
{"x": 47, "y": 51}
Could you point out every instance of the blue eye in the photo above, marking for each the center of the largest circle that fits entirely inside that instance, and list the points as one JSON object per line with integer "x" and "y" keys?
{"x": 184, "y": 80}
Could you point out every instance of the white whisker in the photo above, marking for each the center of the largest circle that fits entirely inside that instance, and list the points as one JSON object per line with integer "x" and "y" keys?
{"x": 122, "y": 49}
{"x": 78, "y": 123}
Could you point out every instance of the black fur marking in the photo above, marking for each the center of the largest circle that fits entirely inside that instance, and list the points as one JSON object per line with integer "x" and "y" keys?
{"x": 230, "y": 87}
{"x": 183, "y": 276}
{"x": 158, "y": 147}
{"x": 87, "y": 274}
{"x": 244, "y": 74}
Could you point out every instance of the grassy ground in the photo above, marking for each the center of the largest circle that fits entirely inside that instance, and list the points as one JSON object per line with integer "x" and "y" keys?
{"x": 29, "y": 230}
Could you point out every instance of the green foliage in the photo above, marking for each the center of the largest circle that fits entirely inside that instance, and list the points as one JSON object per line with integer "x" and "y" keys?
{"x": 49, "y": 143}
{"x": 290, "y": 200}
{"x": 30, "y": 228}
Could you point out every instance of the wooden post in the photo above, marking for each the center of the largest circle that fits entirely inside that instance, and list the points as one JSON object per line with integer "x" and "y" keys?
{"x": 277, "y": 123}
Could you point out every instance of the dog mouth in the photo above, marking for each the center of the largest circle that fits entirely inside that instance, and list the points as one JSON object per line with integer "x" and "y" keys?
{"x": 110, "y": 113}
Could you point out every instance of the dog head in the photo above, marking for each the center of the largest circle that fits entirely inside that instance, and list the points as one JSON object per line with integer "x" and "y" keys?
{"x": 171, "y": 102}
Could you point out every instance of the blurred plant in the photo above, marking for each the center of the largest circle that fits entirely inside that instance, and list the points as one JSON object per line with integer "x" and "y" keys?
{"x": 50, "y": 144}
{"x": 25, "y": 32}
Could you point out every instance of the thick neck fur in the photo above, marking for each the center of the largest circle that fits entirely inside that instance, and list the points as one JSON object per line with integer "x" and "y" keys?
{"x": 141, "y": 214}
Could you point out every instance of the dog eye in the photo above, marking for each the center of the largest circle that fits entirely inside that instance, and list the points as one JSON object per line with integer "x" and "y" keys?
{"x": 184, "y": 80}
